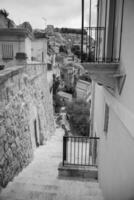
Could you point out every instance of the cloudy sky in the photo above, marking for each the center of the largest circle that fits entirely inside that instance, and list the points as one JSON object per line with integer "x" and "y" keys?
{"x": 60, "y": 13}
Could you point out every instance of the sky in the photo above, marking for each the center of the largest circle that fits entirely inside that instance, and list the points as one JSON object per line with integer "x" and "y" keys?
{"x": 60, "y": 13}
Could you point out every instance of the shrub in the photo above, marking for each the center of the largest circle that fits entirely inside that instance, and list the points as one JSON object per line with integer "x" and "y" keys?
{"x": 58, "y": 103}
{"x": 78, "y": 113}
{"x": 21, "y": 56}
{"x": 63, "y": 49}
{"x": 4, "y": 13}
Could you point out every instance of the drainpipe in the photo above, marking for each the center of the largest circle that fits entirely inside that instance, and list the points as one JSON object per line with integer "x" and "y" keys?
{"x": 82, "y": 29}
{"x": 92, "y": 110}
{"x": 90, "y": 30}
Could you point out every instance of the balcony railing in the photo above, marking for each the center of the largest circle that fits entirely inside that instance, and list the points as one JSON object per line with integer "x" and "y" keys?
{"x": 94, "y": 46}
{"x": 81, "y": 151}
{"x": 100, "y": 57}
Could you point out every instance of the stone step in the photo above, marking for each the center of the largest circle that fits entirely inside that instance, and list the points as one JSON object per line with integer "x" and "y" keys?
{"x": 49, "y": 192}
{"x": 21, "y": 191}
{"x": 25, "y": 187}
{"x": 30, "y": 195}
{"x": 40, "y": 181}
{"x": 86, "y": 172}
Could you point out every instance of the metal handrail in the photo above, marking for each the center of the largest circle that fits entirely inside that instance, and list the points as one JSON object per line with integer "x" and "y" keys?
{"x": 79, "y": 150}
{"x": 95, "y": 46}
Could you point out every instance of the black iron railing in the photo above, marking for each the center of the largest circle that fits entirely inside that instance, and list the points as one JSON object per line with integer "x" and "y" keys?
{"x": 80, "y": 150}
{"x": 94, "y": 43}
{"x": 95, "y": 47}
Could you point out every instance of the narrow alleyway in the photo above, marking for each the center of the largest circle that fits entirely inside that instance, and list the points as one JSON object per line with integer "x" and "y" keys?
{"x": 39, "y": 181}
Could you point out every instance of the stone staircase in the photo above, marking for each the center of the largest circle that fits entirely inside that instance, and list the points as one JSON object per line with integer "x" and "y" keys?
{"x": 40, "y": 181}
{"x": 63, "y": 191}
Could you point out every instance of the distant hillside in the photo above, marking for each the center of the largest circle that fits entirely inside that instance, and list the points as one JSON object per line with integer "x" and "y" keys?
{"x": 69, "y": 30}
{"x": 64, "y": 36}
{"x": 71, "y": 35}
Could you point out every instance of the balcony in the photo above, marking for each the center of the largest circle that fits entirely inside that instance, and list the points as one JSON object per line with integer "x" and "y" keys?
{"x": 101, "y": 61}
{"x": 80, "y": 157}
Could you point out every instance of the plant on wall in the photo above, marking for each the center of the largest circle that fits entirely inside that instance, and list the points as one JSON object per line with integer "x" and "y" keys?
{"x": 4, "y": 13}
{"x": 78, "y": 113}
{"x": 21, "y": 56}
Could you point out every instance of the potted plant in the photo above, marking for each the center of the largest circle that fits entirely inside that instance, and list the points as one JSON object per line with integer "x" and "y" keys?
{"x": 2, "y": 67}
{"x": 21, "y": 56}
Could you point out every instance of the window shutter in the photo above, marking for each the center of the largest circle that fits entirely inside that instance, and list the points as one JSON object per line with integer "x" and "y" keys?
{"x": 7, "y": 51}
{"x": 106, "y": 120}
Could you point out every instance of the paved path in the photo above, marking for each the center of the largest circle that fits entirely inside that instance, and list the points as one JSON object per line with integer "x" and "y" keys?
{"x": 39, "y": 181}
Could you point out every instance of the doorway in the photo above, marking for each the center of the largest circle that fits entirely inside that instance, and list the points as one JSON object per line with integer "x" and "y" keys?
{"x": 36, "y": 134}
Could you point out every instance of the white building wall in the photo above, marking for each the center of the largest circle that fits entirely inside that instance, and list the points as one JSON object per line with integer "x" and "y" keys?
{"x": 127, "y": 55}
{"x": 3, "y": 22}
{"x": 28, "y": 48}
{"x": 116, "y": 150}
{"x": 98, "y": 111}
{"x": 18, "y": 46}
{"x": 39, "y": 46}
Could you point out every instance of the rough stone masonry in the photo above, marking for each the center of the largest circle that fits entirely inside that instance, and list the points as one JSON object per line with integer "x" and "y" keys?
{"x": 26, "y": 117}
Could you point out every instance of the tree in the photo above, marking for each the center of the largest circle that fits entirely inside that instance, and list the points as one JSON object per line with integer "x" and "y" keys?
{"x": 78, "y": 113}
{"x": 4, "y": 13}
{"x": 27, "y": 25}
{"x": 56, "y": 83}
{"x": 85, "y": 77}
{"x": 76, "y": 50}
{"x": 63, "y": 49}
{"x": 58, "y": 103}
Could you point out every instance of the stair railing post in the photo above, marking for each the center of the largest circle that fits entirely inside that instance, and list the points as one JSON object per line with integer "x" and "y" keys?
{"x": 64, "y": 149}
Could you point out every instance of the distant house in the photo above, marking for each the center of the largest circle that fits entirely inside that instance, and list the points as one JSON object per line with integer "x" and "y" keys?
{"x": 56, "y": 70}
{"x": 50, "y": 80}
{"x": 83, "y": 90}
{"x": 50, "y": 57}
{"x": 39, "y": 46}
{"x": 65, "y": 96}
{"x": 112, "y": 106}
{"x": 67, "y": 74}
{"x": 5, "y": 22}
{"x": 69, "y": 59}
{"x": 50, "y": 29}
{"x": 15, "y": 46}
{"x": 59, "y": 59}
{"x": 15, "y": 42}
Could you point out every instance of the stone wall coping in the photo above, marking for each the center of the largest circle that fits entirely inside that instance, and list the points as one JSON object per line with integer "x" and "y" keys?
{"x": 11, "y": 71}
{"x": 35, "y": 63}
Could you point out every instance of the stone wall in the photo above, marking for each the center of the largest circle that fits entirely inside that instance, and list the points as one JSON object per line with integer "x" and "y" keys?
{"x": 26, "y": 117}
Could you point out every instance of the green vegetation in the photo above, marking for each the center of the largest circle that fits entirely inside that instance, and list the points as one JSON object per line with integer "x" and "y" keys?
{"x": 76, "y": 50}
{"x": 56, "y": 83}
{"x": 69, "y": 30}
{"x": 4, "y": 13}
{"x": 27, "y": 26}
{"x": 57, "y": 103}
{"x": 78, "y": 113}
{"x": 21, "y": 56}
{"x": 85, "y": 77}
{"x": 63, "y": 49}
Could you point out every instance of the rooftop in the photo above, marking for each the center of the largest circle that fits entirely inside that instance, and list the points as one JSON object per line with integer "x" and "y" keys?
{"x": 21, "y": 32}
{"x": 83, "y": 85}
{"x": 40, "y": 34}
{"x": 65, "y": 95}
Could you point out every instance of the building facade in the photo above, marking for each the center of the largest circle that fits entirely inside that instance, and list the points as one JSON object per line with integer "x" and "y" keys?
{"x": 83, "y": 90}
{"x": 39, "y": 49}
{"x": 13, "y": 42}
{"x": 113, "y": 107}
{"x": 26, "y": 117}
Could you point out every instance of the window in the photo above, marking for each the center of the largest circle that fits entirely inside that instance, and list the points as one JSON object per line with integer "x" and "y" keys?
{"x": 7, "y": 51}
{"x": 106, "y": 119}
{"x": 118, "y": 23}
